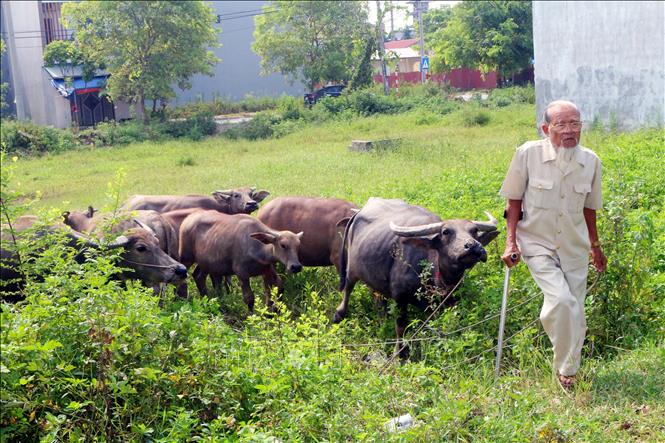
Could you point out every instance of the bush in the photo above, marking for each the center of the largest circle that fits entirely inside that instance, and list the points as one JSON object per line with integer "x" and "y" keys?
{"x": 195, "y": 127}
{"x": 22, "y": 137}
{"x": 113, "y": 133}
{"x": 501, "y": 97}
{"x": 474, "y": 116}
{"x": 261, "y": 126}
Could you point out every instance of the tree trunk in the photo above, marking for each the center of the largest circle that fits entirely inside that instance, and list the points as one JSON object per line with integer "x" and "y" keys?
{"x": 141, "y": 108}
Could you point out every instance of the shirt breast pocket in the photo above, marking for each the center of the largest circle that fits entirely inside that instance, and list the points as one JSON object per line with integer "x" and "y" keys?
{"x": 541, "y": 193}
{"x": 578, "y": 197}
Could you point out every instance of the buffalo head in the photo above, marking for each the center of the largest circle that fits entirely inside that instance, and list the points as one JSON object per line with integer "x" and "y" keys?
{"x": 457, "y": 244}
{"x": 285, "y": 247}
{"x": 241, "y": 200}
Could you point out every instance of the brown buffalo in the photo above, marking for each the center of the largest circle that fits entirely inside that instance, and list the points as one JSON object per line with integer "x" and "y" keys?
{"x": 223, "y": 245}
{"x": 317, "y": 218}
{"x": 231, "y": 201}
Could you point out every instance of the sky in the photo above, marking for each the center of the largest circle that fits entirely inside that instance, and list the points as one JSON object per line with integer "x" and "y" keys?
{"x": 400, "y": 16}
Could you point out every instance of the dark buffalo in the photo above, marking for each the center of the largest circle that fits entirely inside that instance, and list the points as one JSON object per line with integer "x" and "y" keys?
{"x": 222, "y": 245}
{"x": 231, "y": 201}
{"x": 141, "y": 256}
{"x": 317, "y": 218}
{"x": 389, "y": 243}
{"x": 88, "y": 223}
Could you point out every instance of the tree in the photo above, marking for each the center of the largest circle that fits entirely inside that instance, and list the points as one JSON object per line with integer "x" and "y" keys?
{"x": 145, "y": 46}
{"x": 313, "y": 41}
{"x": 66, "y": 55}
{"x": 488, "y": 35}
{"x": 3, "y": 85}
{"x": 434, "y": 20}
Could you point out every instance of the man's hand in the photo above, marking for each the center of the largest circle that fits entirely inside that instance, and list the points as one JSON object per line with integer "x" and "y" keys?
{"x": 511, "y": 255}
{"x": 598, "y": 259}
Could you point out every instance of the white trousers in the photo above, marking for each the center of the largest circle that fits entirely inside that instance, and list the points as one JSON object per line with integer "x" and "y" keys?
{"x": 562, "y": 314}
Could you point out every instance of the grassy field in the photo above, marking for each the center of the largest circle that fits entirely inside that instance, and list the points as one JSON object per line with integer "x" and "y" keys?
{"x": 182, "y": 372}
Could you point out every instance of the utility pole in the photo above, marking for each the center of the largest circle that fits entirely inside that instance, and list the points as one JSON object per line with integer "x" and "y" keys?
{"x": 417, "y": 9}
{"x": 382, "y": 49}
{"x": 392, "y": 19}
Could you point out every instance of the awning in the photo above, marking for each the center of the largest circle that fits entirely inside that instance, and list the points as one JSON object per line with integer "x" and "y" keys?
{"x": 78, "y": 84}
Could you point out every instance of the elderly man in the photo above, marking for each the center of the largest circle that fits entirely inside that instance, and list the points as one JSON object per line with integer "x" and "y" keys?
{"x": 553, "y": 192}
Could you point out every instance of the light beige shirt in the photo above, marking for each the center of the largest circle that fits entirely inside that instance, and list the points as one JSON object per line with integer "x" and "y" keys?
{"x": 553, "y": 199}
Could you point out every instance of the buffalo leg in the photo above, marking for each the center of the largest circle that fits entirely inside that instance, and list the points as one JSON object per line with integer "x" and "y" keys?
{"x": 247, "y": 294}
{"x": 270, "y": 280}
{"x": 343, "y": 307}
{"x": 181, "y": 290}
{"x": 218, "y": 281}
{"x": 200, "y": 280}
{"x": 401, "y": 323}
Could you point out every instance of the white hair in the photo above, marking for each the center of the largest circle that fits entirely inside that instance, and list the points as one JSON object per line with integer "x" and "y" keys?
{"x": 561, "y": 103}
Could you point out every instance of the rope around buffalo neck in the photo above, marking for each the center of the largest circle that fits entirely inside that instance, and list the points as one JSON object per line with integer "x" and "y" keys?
{"x": 147, "y": 265}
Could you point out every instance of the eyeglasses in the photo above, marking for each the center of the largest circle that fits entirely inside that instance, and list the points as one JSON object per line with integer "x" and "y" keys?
{"x": 575, "y": 126}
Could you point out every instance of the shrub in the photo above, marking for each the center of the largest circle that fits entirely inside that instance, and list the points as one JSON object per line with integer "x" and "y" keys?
{"x": 261, "y": 126}
{"x": 195, "y": 127}
{"x": 24, "y": 137}
{"x": 474, "y": 116}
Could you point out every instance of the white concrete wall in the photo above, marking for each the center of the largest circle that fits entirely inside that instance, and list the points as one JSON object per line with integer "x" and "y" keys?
{"x": 36, "y": 99}
{"x": 607, "y": 57}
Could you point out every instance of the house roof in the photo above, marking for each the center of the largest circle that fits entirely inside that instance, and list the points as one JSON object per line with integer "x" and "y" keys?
{"x": 58, "y": 76}
{"x": 400, "y": 44}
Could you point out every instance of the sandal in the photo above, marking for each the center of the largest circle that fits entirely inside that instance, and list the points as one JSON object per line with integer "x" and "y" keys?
{"x": 566, "y": 381}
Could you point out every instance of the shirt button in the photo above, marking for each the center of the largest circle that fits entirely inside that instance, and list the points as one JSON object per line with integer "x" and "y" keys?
{"x": 563, "y": 196}
{"x": 560, "y": 214}
{"x": 557, "y": 248}
{"x": 559, "y": 231}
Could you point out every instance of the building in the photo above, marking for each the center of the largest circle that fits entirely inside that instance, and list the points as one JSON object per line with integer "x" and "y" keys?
{"x": 403, "y": 66}
{"x": 54, "y": 96}
{"x": 238, "y": 74}
{"x": 607, "y": 57}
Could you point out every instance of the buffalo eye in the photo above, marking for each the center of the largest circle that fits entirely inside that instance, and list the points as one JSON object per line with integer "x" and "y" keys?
{"x": 474, "y": 232}
{"x": 236, "y": 195}
{"x": 141, "y": 248}
{"x": 283, "y": 246}
{"x": 446, "y": 231}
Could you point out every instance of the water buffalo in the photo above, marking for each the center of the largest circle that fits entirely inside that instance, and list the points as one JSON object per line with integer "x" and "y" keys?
{"x": 141, "y": 256}
{"x": 223, "y": 245}
{"x": 88, "y": 223}
{"x": 317, "y": 218}
{"x": 231, "y": 201}
{"x": 389, "y": 243}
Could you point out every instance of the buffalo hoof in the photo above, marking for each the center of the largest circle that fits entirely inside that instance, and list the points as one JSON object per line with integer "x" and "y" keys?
{"x": 338, "y": 317}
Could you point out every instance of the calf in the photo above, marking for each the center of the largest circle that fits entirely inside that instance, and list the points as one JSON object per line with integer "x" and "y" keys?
{"x": 222, "y": 245}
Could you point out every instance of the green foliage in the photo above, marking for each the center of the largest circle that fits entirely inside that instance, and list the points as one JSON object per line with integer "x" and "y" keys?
{"x": 3, "y": 85}
{"x": 219, "y": 106}
{"x": 485, "y": 35}
{"x": 475, "y": 116}
{"x": 147, "y": 47}
{"x": 67, "y": 55}
{"x": 86, "y": 359}
{"x": 312, "y": 41}
{"x": 23, "y": 137}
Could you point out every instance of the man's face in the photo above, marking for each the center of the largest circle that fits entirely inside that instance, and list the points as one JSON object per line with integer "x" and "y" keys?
{"x": 564, "y": 128}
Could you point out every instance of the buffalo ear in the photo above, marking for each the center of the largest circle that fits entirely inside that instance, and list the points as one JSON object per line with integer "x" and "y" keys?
{"x": 65, "y": 217}
{"x": 486, "y": 237}
{"x": 259, "y": 196}
{"x": 222, "y": 196}
{"x": 91, "y": 212}
{"x": 264, "y": 237}
{"x": 300, "y": 234}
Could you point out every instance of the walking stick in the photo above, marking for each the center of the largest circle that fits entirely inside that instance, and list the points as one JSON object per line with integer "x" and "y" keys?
{"x": 502, "y": 319}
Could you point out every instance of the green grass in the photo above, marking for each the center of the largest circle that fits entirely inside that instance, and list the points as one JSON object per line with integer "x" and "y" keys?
{"x": 180, "y": 370}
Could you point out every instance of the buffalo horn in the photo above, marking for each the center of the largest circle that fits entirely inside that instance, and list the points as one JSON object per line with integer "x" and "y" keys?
{"x": 119, "y": 242}
{"x": 77, "y": 235}
{"x": 144, "y": 226}
{"x": 489, "y": 225}
{"x": 416, "y": 231}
